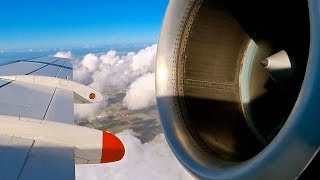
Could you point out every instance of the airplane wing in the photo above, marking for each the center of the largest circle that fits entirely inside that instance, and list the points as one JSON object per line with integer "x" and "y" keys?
{"x": 38, "y": 138}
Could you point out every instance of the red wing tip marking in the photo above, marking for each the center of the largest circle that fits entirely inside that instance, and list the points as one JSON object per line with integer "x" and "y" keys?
{"x": 112, "y": 148}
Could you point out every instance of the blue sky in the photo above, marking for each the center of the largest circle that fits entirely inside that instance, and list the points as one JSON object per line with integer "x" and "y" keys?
{"x": 27, "y": 24}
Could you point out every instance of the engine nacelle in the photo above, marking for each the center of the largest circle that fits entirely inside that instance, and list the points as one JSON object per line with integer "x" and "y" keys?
{"x": 223, "y": 113}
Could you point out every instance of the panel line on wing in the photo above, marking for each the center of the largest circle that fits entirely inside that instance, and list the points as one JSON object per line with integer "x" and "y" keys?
{"x": 21, "y": 60}
{"x": 25, "y": 161}
{"x": 5, "y": 84}
{"x": 38, "y": 100}
{"x": 54, "y": 92}
{"x": 60, "y": 108}
{"x": 41, "y": 67}
{"x": 49, "y": 161}
{"x": 13, "y": 157}
{"x": 49, "y": 103}
{"x": 51, "y": 64}
{"x": 4, "y": 142}
{"x": 59, "y": 70}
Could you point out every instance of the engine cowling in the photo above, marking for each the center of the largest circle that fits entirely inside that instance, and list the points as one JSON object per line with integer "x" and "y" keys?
{"x": 223, "y": 113}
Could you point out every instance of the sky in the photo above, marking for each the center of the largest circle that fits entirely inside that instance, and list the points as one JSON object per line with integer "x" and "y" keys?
{"x": 82, "y": 23}
{"x": 58, "y": 25}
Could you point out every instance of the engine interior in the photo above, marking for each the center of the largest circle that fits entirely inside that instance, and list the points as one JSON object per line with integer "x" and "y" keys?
{"x": 228, "y": 102}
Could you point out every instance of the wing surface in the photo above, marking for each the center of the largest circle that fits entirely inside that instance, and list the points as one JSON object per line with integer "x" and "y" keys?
{"x": 38, "y": 138}
{"x": 23, "y": 158}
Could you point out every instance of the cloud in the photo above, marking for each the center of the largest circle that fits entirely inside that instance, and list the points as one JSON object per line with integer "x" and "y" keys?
{"x": 152, "y": 160}
{"x": 91, "y": 62}
{"x": 88, "y": 111}
{"x": 64, "y": 54}
{"x": 144, "y": 61}
{"x": 141, "y": 93}
{"x": 112, "y": 72}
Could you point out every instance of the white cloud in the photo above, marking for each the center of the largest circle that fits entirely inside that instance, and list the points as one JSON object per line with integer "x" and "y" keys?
{"x": 110, "y": 58}
{"x": 113, "y": 70}
{"x": 82, "y": 75}
{"x": 64, "y": 54}
{"x": 144, "y": 61}
{"x": 117, "y": 72}
{"x": 91, "y": 62}
{"x": 153, "y": 160}
{"x": 88, "y": 111}
{"x": 141, "y": 93}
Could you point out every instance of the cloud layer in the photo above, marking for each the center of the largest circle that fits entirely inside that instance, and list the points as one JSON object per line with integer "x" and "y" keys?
{"x": 112, "y": 72}
{"x": 153, "y": 160}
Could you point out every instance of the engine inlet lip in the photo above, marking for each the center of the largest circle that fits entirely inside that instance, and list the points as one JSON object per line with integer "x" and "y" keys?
{"x": 298, "y": 140}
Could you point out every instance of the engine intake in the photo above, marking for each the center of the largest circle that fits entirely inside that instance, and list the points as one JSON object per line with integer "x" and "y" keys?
{"x": 221, "y": 110}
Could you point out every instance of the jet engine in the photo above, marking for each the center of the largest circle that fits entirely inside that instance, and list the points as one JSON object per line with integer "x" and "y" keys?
{"x": 238, "y": 86}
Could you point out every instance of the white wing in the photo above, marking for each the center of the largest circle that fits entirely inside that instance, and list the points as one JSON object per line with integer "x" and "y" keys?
{"x": 37, "y": 137}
